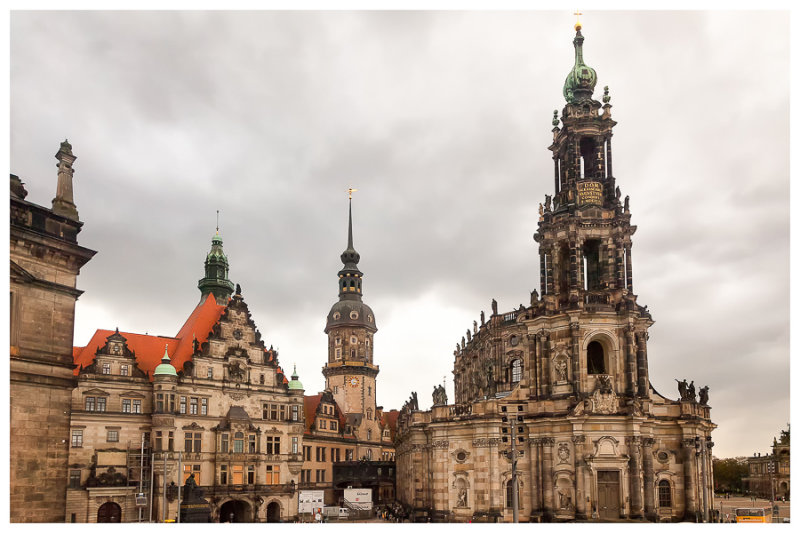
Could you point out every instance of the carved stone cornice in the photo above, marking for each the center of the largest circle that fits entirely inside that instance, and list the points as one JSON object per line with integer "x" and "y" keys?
{"x": 485, "y": 443}
{"x": 647, "y": 442}
{"x": 440, "y": 444}
{"x": 578, "y": 439}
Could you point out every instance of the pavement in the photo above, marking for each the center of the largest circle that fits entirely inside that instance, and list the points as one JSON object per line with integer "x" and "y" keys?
{"x": 726, "y": 505}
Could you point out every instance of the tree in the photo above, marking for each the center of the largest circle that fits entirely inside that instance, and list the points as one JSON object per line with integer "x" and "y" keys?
{"x": 729, "y": 474}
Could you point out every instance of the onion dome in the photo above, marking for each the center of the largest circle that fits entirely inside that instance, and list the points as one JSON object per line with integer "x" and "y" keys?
{"x": 581, "y": 80}
{"x": 295, "y": 384}
{"x": 165, "y": 368}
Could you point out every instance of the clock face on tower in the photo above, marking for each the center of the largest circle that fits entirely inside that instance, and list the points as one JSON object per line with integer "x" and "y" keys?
{"x": 353, "y": 382}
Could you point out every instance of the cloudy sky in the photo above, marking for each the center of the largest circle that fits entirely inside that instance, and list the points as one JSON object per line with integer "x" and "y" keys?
{"x": 442, "y": 121}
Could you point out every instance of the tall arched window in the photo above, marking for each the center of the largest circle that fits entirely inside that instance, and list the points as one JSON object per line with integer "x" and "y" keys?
{"x": 664, "y": 494}
{"x": 369, "y": 413}
{"x": 595, "y": 358}
{"x": 238, "y": 442}
{"x": 516, "y": 370}
{"x": 509, "y": 494}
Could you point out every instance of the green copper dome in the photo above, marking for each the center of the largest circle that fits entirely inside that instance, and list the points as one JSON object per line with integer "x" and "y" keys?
{"x": 581, "y": 80}
{"x": 165, "y": 368}
{"x": 295, "y": 384}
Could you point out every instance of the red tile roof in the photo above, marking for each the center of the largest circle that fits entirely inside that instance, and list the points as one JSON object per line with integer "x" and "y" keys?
{"x": 310, "y": 404}
{"x": 149, "y": 349}
{"x": 390, "y": 419}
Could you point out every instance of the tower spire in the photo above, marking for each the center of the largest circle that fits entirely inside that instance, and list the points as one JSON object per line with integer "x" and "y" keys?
{"x": 216, "y": 280}
{"x": 350, "y": 276}
{"x": 581, "y": 80}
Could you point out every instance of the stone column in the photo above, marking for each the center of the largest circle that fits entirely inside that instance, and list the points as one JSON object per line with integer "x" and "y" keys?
{"x": 547, "y": 476}
{"x": 649, "y": 479}
{"x": 634, "y": 447}
{"x": 609, "y": 173}
{"x": 533, "y": 366}
{"x": 641, "y": 362}
{"x": 536, "y": 475}
{"x": 619, "y": 253}
{"x": 630, "y": 360}
{"x": 575, "y": 331}
{"x": 629, "y": 267}
{"x": 543, "y": 285}
{"x": 557, "y": 187}
{"x": 598, "y": 155}
{"x": 689, "y": 484}
{"x": 549, "y": 269}
{"x": 580, "y": 485}
{"x": 574, "y": 257}
{"x": 544, "y": 375}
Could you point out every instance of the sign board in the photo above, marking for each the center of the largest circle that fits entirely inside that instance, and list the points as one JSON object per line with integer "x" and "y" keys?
{"x": 359, "y": 498}
{"x": 310, "y": 500}
{"x": 590, "y": 192}
{"x": 141, "y": 500}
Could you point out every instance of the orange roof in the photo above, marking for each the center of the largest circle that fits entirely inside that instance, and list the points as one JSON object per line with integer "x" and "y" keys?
{"x": 149, "y": 349}
{"x": 390, "y": 419}
{"x": 310, "y": 404}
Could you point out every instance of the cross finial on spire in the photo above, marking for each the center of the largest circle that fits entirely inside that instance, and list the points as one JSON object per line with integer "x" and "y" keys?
{"x": 350, "y": 192}
{"x": 577, "y": 20}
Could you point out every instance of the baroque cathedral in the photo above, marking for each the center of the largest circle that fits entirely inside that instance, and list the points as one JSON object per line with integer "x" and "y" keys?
{"x": 554, "y": 415}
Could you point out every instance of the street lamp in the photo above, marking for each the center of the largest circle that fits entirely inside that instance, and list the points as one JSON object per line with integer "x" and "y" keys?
{"x": 513, "y": 454}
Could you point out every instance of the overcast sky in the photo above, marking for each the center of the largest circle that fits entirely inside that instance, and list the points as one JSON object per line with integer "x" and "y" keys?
{"x": 442, "y": 121}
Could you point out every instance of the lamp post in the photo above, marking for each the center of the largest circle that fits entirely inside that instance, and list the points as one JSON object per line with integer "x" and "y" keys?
{"x": 513, "y": 454}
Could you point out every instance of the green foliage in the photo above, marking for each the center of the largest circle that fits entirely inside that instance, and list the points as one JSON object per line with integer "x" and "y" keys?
{"x": 729, "y": 473}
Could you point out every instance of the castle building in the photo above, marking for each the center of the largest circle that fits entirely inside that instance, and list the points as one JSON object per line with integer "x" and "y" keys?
{"x": 212, "y": 402}
{"x": 344, "y": 425}
{"x": 553, "y": 399}
{"x": 769, "y": 474}
{"x": 45, "y": 262}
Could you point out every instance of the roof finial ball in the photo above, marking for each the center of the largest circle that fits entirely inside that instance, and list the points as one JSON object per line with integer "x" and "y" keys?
{"x": 578, "y": 25}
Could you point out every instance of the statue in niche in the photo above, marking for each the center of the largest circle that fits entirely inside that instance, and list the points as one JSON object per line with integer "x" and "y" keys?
{"x": 564, "y": 500}
{"x": 462, "y": 493}
{"x": 490, "y": 384}
{"x": 561, "y": 369}
{"x": 704, "y": 395}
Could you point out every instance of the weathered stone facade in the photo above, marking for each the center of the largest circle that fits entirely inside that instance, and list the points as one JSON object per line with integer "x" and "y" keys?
{"x": 770, "y": 474}
{"x": 45, "y": 262}
{"x": 595, "y": 440}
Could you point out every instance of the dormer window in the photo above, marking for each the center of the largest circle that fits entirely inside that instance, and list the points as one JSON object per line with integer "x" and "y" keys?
{"x": 123, "y": 370}
{"x": 238, "y": 442}
{"x": 106, "y": 368}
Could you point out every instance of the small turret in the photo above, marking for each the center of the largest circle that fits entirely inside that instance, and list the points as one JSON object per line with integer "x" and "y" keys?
{"x": 295, "y": 384}
{"x": 216, "y": 280}
{"x": 165, "y": 368}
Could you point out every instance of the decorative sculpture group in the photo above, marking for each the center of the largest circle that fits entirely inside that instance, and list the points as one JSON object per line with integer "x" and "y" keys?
{"x": 688, "y": 394}
{"x": 439, "y": 395}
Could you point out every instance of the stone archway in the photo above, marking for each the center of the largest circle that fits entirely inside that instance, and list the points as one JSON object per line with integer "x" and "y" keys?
{"x": 109, "y": 512}
{"x": 274, "y": 512}
{"x": 235, "y": 511}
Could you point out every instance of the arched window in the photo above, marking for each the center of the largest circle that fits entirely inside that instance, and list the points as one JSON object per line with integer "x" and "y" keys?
{"x": 595, "y": 358}
{"x": 369, "y": 455}
{"x": 238, "y": 442}
{"x": 369, "y": 414}
{"x": 516, "y": 370}
{"x": 664, "y": 494}
{"x": 509, "y": 494}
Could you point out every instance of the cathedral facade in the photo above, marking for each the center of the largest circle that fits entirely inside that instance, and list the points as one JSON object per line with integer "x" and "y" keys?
{"x": 553, "y": 403}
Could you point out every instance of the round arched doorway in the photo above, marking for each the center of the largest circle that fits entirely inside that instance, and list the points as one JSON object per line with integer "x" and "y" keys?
{"x": 273, "y": 512}
{"x": 235, "y": 511}
{"x": 109, "y": 512}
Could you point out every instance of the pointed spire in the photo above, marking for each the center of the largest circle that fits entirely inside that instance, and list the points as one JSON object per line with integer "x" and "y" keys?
{"x": 216, "y": 280}
{"x": 350, "y": 276}
{"x": 581, "y": 80}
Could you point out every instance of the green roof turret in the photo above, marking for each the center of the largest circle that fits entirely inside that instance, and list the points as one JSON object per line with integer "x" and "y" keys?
{"x": 581, "y": 80}
{"x": 165, "y": 368}
{"x": 216, "y": 280}
{"x": 295, "y": 384}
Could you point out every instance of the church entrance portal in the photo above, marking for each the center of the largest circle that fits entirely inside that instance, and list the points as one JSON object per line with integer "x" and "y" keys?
{"x": 109, "y": 512}
{"x": 273, "y": 512}
{"x": 235, "y": 511}
{"x": 608, "y": 494}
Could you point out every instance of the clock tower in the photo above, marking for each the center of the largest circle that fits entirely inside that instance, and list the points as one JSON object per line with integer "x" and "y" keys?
{"x": 349, "y": 372}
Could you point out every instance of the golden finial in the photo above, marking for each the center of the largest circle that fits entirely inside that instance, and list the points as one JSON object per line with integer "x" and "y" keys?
{"x": 577, "y": 20}
{"x": 350, "y": 192}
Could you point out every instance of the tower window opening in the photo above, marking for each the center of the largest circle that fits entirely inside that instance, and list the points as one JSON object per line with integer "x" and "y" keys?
{"x": 563, "y": 270}
{"x": 516, "y": 371}
{"x": 588, "y": 159}
{"x": 625, "y": 269}
{"x": 595, "y": 358}
{"x": 591, "y": 266}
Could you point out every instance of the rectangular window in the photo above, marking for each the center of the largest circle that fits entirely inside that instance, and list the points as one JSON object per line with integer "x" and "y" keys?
{"x": 74, "y": 479}
{"x": 204, "y": 406}
{"x": 101, "y": 404}
{"x": 238, "y": 443}
{"x": 171, "y": 441}
{"x": 123, "y": 370}
{"x": 137, "y": 406}
{"x": 251, "y": 475}
{"x": 112, "y": 436}
{"x": 306, "y": 453}
{"x": 158, "y": 441}
{"x": 183, "y": 405}
{"x": 282, "y": 412}
{"x": 273, "y": 445}
{"x": 210, "y": 373}
{"x": 224, "y": 443}
{"x": 334, "y": 425}
{"x": 106, "y": 368}
{"x": 305, "y": 476}
{"x": 322, "y": 424}
{"x": 89, "y": 403}
{"x": 77, "y": 438}
{"x": 338, "y": 353}
{"x": 198, "y": 439}
{"x": 265, "y": 412}
{"x": 294, "y": 413}
{"x": 171, "y": 403}
{"x": 187, "y": 443}
{"x": 273, "y": 474}
{"x": 294, "y": 445}
{"x": 126, "y": 405}
{"x": 323, "y": 455}
{"x": 223, "y": 475}
{"x": 187, "y": 471}
{"x": 251, "y": 444}
{"x": 192, "y": 406}
{"x": 159, "y": 403}
{"x": 237, "y": 473}
{"x": 273, "y": 412}
{"x": 348, "y": 455}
